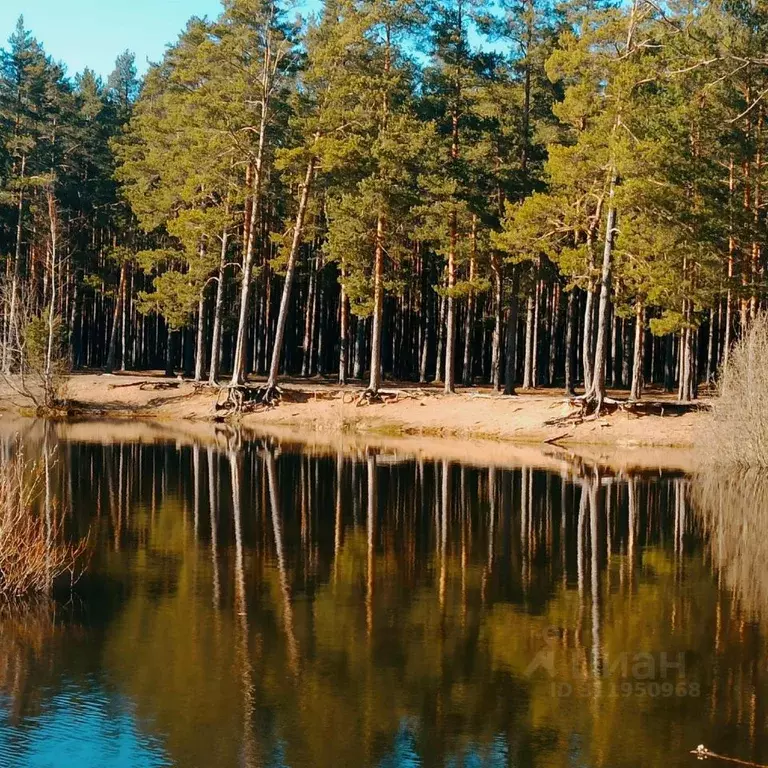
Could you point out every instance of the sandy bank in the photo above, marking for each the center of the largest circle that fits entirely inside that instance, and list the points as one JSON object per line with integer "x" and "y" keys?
{"x": 488, "y": 425}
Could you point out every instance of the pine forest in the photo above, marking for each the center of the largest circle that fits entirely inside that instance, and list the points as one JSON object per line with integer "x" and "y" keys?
{"x": 518, "y": 193}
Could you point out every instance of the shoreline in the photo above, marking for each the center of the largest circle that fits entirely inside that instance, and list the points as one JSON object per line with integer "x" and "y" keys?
{"x": 475, "y": 424}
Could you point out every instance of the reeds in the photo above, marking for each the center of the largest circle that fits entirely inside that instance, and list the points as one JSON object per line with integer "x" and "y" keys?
{"x": 737, "y": 433}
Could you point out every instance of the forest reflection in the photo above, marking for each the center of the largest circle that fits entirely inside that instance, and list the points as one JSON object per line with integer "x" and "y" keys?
{"x": 261, "y": 605}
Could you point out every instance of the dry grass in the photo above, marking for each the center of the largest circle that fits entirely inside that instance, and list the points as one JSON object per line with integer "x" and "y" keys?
{"x": 737, "y": 433}
{"x": 33, "y": 551}
{"x": 734, "y": 510}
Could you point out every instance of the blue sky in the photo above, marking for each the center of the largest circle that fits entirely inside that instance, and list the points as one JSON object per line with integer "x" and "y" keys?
{"x": 92, "y": 33}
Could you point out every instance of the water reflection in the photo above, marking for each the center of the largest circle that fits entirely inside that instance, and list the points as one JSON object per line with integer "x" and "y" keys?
{"x": 252, "y": 604}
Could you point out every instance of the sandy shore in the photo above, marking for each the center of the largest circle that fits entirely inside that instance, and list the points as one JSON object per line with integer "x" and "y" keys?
{"x": 486, "y": 424}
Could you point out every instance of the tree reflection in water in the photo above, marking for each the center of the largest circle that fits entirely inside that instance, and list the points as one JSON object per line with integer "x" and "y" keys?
{"x": 260, "y": 604}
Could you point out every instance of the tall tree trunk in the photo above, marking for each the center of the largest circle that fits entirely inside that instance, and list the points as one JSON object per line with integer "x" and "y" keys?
{"x": 282, "y": 317}
{"x": 343, "y": 332}
{"x": 428, "y": 323}
{"x": 200, "y": 337}
{"x": 530, "y": 317}
{"x": 469, "y": 318}
{"x": 124, "y": 325}
{"x": 440, "y": 341}
{"x": 241, "y": 338}
{"x": 112, "y": 353}
{"x": 453, "y": 225}
{"x": 218, "y": 307}
{"x": 597, "y": 390}
{"x": 359, "y": 345}
{"x": 535, "y": 352}
{"x": 497, "y": 310}
{"x": 710, "y": 346}
{"x": 587, "y": 360}
{"x": 450, "y": 316}
{"x": 554, "y": 323}
{"x": 626, "y": 342}
{"x": 309, "y": 318}
{"x": 637, "y": 361}
{"x": 511, "y": 339}
{"x": 570, "y": 345}
{"x": 12, "y": 330}
{"x": 169, "y": 370}
{"x": 50, "y": 391}
{"x": 374, "y": 382}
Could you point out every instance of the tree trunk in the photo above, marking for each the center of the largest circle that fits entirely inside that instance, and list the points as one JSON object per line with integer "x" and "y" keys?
{"x": 427, "y": 311}
{"x": 374, "y": 382}
{"x": 570, "y": 345}
{"x": 124, "y": 326}
{"x": 359, "y": 344}
{"x": 469, "y": 318}
{"x": 440, "y": 341}
{"x": 309, "y": 317}
{"x": 50, "y": 391}
{"x": 496, "y": 343}
{"x": 637, "y": 360}
{"x": 282, "y": 317}
{"x": 213, "y": 375}
{"x": 553, "y": 328}
{"x": 200, "y": 340}
{"x": 241, "y": 339}
{"x": 169, "y": 371}
{"x": 710, "y": 346}
{"x": 343, "y": 332}
{"x": 112, "y": 353}
{"x": 12, "y": 331}
{"x": 597, "y": 390}
{"x": 450, "y": 318}
{"x": 511, "y": 339}
{"x": 529, "y": 350}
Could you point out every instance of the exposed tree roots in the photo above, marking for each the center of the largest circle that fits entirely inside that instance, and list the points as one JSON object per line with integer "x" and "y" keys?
{"x": 589, "y": 407}
{"x": 369, "y": 397}
{"x": 236, "y": 400}
{"x": 269, "y": 396}
{"x": 233, "y": 398}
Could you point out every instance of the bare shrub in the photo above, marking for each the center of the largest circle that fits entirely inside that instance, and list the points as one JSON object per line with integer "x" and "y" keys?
{"x": 734, "y": 510}
{"x": 33, "y": 550}
{"x": 737, "y": 433}
{"x": 34, "y": 364}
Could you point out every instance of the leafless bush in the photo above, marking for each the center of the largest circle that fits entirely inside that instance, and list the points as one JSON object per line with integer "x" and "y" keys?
{"x": 34, "y": 364}
{"x": 33, "y": 550}
{"x": 734, "y": 511}
{"x": 737, "y": 433}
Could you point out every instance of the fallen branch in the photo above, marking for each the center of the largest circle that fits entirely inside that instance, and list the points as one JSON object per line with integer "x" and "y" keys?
{"x": 702, "y": 753}
{"x": 148, "y": 385}
{"x": 554, "y": 440}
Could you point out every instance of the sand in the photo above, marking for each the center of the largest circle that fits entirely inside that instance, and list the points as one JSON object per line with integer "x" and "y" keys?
{"x": 482, "y": 425}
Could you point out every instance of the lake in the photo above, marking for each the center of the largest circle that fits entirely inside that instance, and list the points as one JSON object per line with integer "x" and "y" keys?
{"x": 256, "y": 603}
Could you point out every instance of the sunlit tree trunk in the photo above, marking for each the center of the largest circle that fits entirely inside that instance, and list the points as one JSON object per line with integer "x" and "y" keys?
{"x": 637, "y": 361}
{"x": 218, "y": 307}
{"x": 597, "y": 390}
{"x": 282, "y": 317}
{"x": 497, "y": 311}
{"x": 374, "y": 382}
{"x": 511, "y": 335}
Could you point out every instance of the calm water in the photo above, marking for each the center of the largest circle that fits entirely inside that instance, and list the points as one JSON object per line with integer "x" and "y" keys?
{"x": 255, "y": 604}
